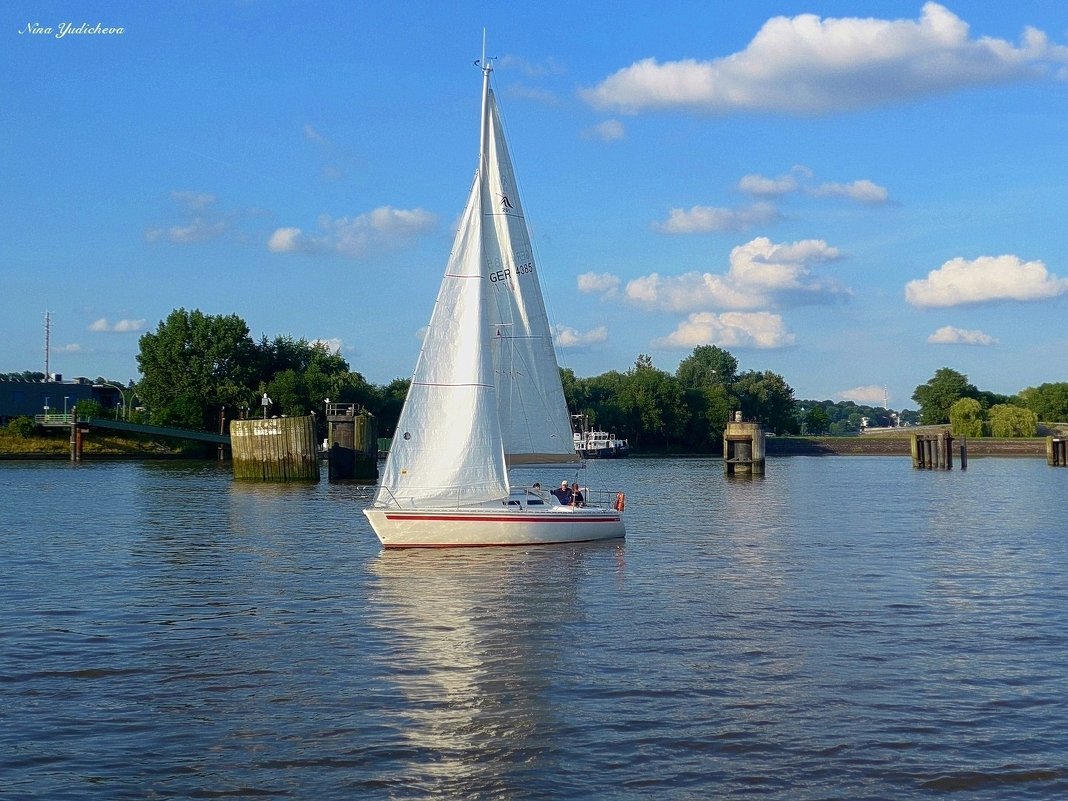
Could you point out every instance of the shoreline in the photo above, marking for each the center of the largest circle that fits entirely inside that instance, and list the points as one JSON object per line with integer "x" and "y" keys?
{"x": 897, "y": 446}
{"x": 869, "y": 445}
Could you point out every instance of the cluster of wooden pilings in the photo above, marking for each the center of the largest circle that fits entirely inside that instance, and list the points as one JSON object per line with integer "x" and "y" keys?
{"x": 1057, "y": 451}
{"x": 935, "y": 451}
{"x": 743, "y": 448}
{"x": 275, "y": 449}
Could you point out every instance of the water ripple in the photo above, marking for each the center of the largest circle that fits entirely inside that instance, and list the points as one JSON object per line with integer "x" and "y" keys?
{"x": 842, "y": 628}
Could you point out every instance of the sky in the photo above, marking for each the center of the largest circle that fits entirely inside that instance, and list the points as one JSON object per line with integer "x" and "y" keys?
{"x": 852, "y": 195}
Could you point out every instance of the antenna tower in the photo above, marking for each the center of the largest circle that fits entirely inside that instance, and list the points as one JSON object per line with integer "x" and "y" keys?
{"x": 48, "y": 338}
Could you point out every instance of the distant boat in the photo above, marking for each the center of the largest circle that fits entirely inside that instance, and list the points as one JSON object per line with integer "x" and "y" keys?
{"x": 596, "y": 444}
{"x": 486, "y": 393}
{"x": 600, "y": 445}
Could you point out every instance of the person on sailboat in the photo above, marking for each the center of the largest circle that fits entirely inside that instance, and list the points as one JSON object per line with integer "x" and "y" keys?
{"x": 563, "y": 494}
{"x": 576, "y": 496}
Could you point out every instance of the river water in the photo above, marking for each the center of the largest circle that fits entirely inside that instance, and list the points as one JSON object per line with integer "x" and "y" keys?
{"x": 844, "y": 628}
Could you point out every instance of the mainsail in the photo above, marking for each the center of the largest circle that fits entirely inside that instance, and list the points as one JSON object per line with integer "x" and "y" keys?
{"x": 486, "y": 390}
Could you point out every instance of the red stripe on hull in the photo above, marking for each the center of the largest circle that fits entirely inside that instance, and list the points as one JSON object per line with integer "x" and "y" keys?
{"x": 510, "y": 519}
{"x": 492, "y": 544}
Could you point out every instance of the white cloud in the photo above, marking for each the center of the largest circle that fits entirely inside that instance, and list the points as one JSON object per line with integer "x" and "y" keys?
{"x": 604, "y": 284}
{"x": 525, "y": 92}
{"x": 607, "y": 131}
{"x": 986, "y": 279}
{"x": 761, "y": 186}
{"x": 761, "y": 274}
{"x": 702, "y": 219}
{"x": 531, "y": 69}
{"x": 870, "y": 395}
{"x": 199, "y": 229}
{"x": 73, "y": 347}
{"x": 202, "y": 222}
{"x": 948, "y": 335}
{"x": 128, "y": 326}
{"x": 193, "y": 201}
{"x": 567, "y": 337}
{"x": 120, "y": 327}
{"x": 808, "y": 65}
{"x": 862, "y": 191}
{"x": 762, "y": 330}
{"x": 383, "y": 228}
{"x": 284, "y": 240}
{"x": 332, "y": 345}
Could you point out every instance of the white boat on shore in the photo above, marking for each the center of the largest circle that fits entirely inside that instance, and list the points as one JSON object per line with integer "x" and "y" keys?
{"x": 486, "y": 392}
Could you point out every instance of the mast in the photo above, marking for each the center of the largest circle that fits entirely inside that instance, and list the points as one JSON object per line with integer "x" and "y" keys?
{"x": 483, "y": 136}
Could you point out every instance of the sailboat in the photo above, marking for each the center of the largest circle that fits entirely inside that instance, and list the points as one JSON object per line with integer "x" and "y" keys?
{"x": 486, "y": 392}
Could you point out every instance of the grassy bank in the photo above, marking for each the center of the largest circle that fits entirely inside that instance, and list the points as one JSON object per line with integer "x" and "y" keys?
{"x": 56, "y": 444}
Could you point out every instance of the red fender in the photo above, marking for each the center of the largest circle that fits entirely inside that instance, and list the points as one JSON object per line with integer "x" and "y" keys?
{"x": 621, "y": 502}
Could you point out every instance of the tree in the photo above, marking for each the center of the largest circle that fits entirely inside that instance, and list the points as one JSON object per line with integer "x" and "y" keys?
{"x": 768, "y": 398}
{"x": 704, "y": 378}
{"x": 940, "y": 393}
{"x": 1048, "y": 401}
{"x": 193, "y": 364}
{"x": 817, "y": 421}
{"x": 22, "y": 427}
{"x": 707, "y": 366}
{"x": 1012, "y": 421}
{"x": 966, "y": 418}
{"x": 651, "y": 403}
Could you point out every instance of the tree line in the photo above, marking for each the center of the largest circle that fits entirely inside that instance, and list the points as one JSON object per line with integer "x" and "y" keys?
{"x": 194, "y": 364}
{"x": 948, "y": 397}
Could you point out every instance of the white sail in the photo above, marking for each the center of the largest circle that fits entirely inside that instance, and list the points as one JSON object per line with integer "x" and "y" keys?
{"x": 447, "y": 448}
{"x": 533, "y": 413}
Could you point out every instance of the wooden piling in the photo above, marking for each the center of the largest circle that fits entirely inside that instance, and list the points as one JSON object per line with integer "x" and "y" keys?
{"x": 935, "y": 452}
{"x": 352, "y": 441}
{"x": 278, "y": 449}
{"x": 1057, "y": 451}
{"x": 743, "y": 447}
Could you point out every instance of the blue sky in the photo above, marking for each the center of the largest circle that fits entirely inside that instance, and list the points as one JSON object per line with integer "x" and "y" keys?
{"x": 850, "y": 194}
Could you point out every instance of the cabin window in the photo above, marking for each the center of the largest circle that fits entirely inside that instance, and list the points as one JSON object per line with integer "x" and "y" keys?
{"x": 535, "y": 502}
{"x": 514, "y": 503}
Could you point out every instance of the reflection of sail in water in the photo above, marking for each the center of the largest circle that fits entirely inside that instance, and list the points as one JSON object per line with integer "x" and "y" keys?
{"x": 475, "y": 641}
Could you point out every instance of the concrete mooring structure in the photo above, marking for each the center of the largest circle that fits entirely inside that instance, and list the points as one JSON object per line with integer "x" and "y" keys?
{"x": 352, "y": 443}
{"x": 743, "y": 448}
{"x": 275, "y": 449}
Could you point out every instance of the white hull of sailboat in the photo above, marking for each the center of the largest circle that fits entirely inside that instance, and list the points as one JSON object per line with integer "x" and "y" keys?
{"x": 458, "y": 528}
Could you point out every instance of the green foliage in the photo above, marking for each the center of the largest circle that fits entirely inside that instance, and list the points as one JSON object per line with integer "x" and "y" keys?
{"x": 22, "y": 427}
{"x": 193, "y": 364}
{"x": 1048, "y": 401}
{"x": 93, "y": 408}
{"x": 708, "y": 366}
{"x": 768, "y": 398}
{"x": 846, "y": 417}
{"x": 817, "y": 421}
{"x": 966, "y": 418}
{"x": 651, "y": 405}
{"x": 1007, "y": 420}
{"x": 940, "y": 393}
